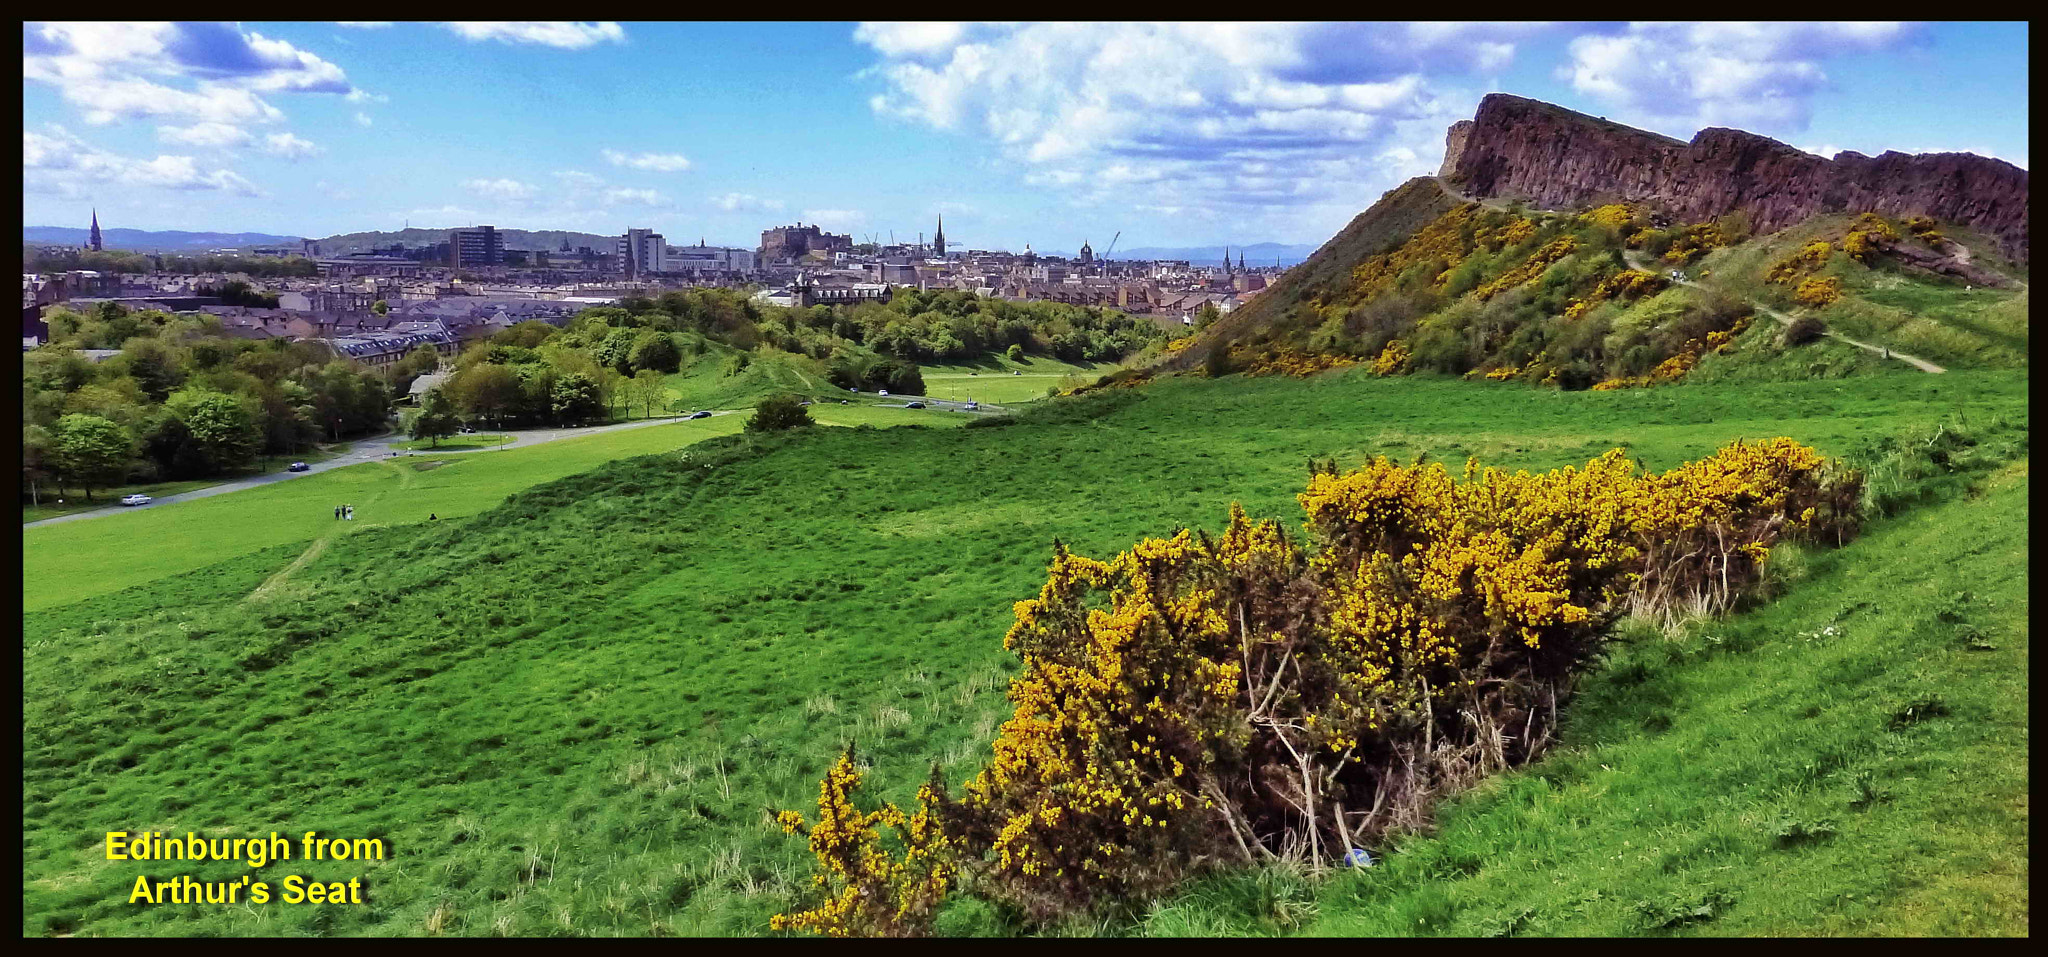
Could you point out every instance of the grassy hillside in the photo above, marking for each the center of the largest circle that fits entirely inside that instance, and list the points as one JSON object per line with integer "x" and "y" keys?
{"x": 1851, "y": 759}
{"x": 1422, "y": 282}
{"x": 567, "y": 713}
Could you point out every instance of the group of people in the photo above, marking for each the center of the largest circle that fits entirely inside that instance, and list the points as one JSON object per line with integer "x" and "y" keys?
{"x": 346, "y": 513}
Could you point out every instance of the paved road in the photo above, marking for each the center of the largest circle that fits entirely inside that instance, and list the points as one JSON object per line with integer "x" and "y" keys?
{"x": 949, "y": 405}
{"x": 360, "y": 451}
{"x": 1635, "y": 260}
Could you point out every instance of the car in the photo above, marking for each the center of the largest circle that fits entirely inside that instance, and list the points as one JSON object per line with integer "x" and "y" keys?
{"x": 971, "y": 406}
{"x": 915, "y": 405}
{"x": 136, "y": 500}
{"x": 466, "y": 430}
{"x": 881, "y": 392}
{"x": 297, "y": 467}
{"x": 700, "y": 415}
{"x": 1015, "y": 372}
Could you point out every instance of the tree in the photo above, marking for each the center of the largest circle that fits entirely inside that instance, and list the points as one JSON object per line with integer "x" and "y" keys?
{"x": 487, "y": 391}
{"x": 93, "y": 450}
{"x": 1015, "y": 352}
{"x": 436, "y": 420}
{"x": 380, "y": 307}
{"x": 656, "y": 352}
{"x": 650, "y": 389}
{"x": 577, "y": 400}
{"x": 38, "y": 460}
{"x": 779, "y": 412}
{"x": 904, "y": 379}
{"x": 222, "y": 434}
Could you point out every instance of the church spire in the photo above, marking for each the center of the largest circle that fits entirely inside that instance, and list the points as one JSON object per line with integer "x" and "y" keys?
{"x": 939, "y": 239}
{"x": 95, "y": 229}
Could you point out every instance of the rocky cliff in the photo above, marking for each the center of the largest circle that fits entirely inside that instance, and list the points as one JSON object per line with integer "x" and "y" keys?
{"x": 1555, "y": 158}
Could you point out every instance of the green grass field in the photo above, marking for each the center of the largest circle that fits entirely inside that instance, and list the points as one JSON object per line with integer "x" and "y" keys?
{"x": 993, "y": 382}
{"x": 457, "y": 443}
{"x": 567, "y": 712}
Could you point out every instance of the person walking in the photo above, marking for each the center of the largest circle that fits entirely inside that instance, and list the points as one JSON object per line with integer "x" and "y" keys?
{"x": 348, "y": 512}
{"x": 337, "y": 513}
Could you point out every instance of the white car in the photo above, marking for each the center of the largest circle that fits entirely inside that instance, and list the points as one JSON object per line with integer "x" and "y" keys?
{"x": 136, "y": 500}
{"x": 881, "y": 392}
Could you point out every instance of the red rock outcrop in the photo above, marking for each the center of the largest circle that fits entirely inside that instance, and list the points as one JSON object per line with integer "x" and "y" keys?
{"x": 1555, "y": 158}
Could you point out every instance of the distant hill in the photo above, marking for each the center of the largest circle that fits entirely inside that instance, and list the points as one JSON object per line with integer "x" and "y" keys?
{"x": 151, "y": 240}
{"x": 1256, "y": 254}
{"x": 547, "y": 239}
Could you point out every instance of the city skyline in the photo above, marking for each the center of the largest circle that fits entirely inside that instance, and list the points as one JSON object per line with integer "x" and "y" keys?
{"x": 1048, "y": 134}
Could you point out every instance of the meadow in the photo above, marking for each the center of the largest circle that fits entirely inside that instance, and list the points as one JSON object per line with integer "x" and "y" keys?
{"x": 571, "y": 713}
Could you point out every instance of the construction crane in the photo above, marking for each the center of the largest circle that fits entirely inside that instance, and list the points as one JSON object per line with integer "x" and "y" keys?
{"x": 1111, "y": 249}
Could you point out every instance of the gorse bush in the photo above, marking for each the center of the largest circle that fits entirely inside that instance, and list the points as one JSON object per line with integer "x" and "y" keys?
{"x": 1202, "y": 701}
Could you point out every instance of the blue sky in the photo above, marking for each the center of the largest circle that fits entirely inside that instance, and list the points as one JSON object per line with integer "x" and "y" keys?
{"x": 1048, "y": 134}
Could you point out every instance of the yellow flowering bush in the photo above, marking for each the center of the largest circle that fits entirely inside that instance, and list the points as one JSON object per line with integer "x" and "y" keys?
{"x": 1693, "y": 241}
{"x": 1810, "y": 257}
{"x": 1531, "y": 267}
{"x": 1199, "y": 701}
{"x": 1616, "y": 216}
{"x": 1392, "y": 360}
{"x": 1819, "y": 292}
{"x": 868, "y": 891}
{"x": 1298, "y": 364}
{"x": 1626, "y": 284}
{"x": 1869, "y": 237}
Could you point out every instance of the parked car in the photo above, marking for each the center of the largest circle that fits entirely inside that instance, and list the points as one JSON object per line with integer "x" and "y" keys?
{"x": 881, "y": 392}
{"x": 297, "y": 467}
{"x": 915, "y": 405}
{"x": 466, "y": 430}
{"x": 136, "y": 500}
{"x": 971, "y": 406}
{"x": 1015, "y": 372}
{"x": 700, "y": 415}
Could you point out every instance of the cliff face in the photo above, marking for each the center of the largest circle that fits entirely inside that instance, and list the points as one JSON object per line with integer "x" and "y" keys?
{"x": 1555, "y": 158}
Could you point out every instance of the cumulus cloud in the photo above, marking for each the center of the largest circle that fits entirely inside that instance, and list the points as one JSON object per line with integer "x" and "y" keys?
{"x": 364, "y": 24}
{"x": 1268, "y": 121}
{"x": 287, "y": 146}
{"x": 499, "y": 189}
{"x": 561, "y": 34}
{"x": 746, "y": 203}
{"x": 363, "y": 119}
{"x": 206, "y": 135}
{"x": 577, "y": 179}
{"x": 656, "y": 162}
{"x": 634, "y": 197}
{"x": 365, "y": 96}
{"x": 1758, "y": 76}
{"x": 210, "y": 72}
{"x": 58, "y": 161}
{"x": 841, "y": 220}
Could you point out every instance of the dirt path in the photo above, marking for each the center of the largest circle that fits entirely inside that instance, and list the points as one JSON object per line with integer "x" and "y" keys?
{"x": 1635, "y": 260}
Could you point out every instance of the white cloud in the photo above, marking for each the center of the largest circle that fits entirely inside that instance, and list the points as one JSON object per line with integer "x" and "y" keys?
{"x": 840, "y": 220}
{"x": 657, "y": 162}
{"x": 1684, "y": 76}
{"x": 290, "y": 147}
{"x": 746, "y": 203}
{"x": 500, "y": 189}
{"x": 364, "y": 24}
{"x": 1269, "y": 123}
{"x": 637, "y": 197}
{"x": 561, "y": 34}
{"x": 577, "y": 179}
{"x": 365, "y": 96}
{"x": 206, "y": 135}
{"x": 363, "y": 119}
{"x": 209, "y": 72}
{"x": 59, "y": 161}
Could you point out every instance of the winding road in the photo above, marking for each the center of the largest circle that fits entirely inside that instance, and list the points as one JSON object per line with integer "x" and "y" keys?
{"x": 362, "y": 450}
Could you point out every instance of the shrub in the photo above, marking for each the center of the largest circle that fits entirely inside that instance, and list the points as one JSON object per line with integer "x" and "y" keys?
{"x": 1197, "y": 701}
{"x": 869, "y": 890}
{"x": 1819, "y": 292}
{"x": 1803, "y": 330}
{"x": 777, "y": 413}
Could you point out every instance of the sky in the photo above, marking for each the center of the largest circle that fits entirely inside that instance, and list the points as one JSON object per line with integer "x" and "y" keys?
{"x": 1047, "y": 134}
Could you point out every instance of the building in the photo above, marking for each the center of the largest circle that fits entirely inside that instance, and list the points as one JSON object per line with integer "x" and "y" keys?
{"x": 95, "y": 230}
{"x": 708, "y": 262}
{"x": 642, "y": 252}
{"x": 939, "y": 239}
{"x": 479, "y": 246}
{"x": 793, "y": 242}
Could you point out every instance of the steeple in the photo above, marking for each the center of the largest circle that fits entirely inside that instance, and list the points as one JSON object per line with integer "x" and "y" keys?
{"x": 95, "y": 229}
{"x": 939, "y": 239}
{"x": 1240, "y": 259}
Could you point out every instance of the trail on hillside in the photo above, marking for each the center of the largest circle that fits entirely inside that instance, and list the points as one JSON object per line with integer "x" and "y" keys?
{"x": 1636, "y": 261}
{"x": 318, "y": 546}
